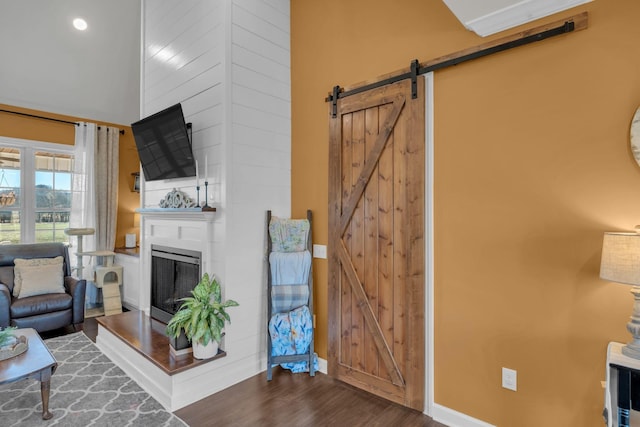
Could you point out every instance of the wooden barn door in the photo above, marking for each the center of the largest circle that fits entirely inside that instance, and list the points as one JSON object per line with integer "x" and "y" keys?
{"x": 376, "y": 242}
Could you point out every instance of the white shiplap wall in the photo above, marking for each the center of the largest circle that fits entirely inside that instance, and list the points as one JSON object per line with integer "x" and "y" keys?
{"x": 183, "y": 51}
{"x": 228, "y": 63}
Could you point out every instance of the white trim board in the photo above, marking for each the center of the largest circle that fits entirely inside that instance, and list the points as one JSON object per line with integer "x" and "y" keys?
{"x": 428, "y": 242}
{"x": 439, "y": 413}
{"x": 489, "y": 17}
{"x": 453, "y": 418}
{"x": 323, "y": 366}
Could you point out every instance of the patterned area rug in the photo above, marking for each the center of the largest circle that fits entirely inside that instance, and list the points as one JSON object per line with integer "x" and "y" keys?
{"x": 87, "y": 389}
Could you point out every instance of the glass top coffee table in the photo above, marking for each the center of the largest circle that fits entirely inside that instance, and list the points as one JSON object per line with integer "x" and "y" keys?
{"x": 36, "y": 363}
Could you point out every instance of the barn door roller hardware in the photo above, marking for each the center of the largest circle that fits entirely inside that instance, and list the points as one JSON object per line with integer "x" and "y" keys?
{"x": 415, "y": 66}
{"x": 571, "y": 24}
{"x": 339, "y": 92}
{"x": 333, "y": 97}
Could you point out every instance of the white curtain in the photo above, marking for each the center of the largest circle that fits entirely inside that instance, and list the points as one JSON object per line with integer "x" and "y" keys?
{"x": 107, "y": 187}
{"x": 83, "y": 202}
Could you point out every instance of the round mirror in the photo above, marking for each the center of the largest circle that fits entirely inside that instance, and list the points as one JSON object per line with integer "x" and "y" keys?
{"x": 635, "y": 136}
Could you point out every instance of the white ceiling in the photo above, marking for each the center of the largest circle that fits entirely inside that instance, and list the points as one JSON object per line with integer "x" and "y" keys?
{"x": 486, "y": 17}
{"x": 48, "y": 65}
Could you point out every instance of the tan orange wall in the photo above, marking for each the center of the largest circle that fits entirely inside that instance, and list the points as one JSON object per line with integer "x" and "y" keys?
{"x": 15, "y": 126}
{"x": 532, "y": 165}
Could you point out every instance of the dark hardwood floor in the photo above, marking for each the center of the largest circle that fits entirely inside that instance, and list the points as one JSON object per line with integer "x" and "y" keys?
{"x": 298, "y": 400}
{"x": 289, "y": 400}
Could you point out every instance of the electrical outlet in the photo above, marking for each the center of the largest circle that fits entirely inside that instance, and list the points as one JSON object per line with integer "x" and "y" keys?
{"x": 320, "y": 251}
{"x": 510, "y": 379}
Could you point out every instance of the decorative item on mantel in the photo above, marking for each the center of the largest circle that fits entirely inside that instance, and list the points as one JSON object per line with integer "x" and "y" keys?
{"x": 202, "y": 318}
{"x": 205, "y": 204}
{"x": 177, "y": 199}
{"x": 10, "y": 344}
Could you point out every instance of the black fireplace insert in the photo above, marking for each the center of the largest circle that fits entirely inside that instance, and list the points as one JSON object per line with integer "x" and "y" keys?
{"x": 174, "y": 273}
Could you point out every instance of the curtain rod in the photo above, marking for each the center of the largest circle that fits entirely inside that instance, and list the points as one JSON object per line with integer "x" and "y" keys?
{"x": 47, "y": 118}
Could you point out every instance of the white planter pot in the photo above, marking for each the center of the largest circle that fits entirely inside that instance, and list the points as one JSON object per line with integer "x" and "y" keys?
{"x": 205, "y": 351}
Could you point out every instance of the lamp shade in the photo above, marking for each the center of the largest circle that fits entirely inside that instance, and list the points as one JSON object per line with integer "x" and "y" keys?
{"x": 621, "y": 258}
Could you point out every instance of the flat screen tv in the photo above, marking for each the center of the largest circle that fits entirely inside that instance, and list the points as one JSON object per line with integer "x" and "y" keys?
{"x": 164, "y": 146}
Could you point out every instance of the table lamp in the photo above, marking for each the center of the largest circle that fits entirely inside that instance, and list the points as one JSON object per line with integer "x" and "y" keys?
{"x": 621, "y": 263}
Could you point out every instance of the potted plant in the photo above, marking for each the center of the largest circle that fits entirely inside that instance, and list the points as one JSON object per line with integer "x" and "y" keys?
{"x": 202, "y": 317}
{"x": 10, "y": 344}
{"x": 6, "y": 336}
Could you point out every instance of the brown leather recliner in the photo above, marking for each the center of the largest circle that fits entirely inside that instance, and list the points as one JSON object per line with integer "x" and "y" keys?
{"x": 41, "y": 312}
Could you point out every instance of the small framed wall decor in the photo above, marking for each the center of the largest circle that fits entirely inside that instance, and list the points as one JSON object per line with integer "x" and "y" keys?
{"x": 136, "y": 182}
{"x": 635, "y": 135}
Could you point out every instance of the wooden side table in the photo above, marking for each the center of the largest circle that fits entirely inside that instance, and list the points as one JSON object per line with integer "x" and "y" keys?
{"x": 36, "y": 363}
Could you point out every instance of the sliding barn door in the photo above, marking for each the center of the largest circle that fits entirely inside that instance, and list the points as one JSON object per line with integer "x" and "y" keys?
{"x": 376, "y": 242}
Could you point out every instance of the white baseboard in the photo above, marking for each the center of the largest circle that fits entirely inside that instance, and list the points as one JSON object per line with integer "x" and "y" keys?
{"x": 322, "y": 365}
{"x": 453, "y": 418}
{"x": 129, "y": 305}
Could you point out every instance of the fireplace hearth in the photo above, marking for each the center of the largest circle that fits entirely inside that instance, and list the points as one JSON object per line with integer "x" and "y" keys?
{"x": 183, "y": 232}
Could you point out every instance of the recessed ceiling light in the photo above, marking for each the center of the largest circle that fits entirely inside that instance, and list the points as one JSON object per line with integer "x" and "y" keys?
{"x": 80, "y": 24}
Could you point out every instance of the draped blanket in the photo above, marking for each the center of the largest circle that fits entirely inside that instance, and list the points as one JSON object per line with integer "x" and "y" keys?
{"x": 291, "y": 327}
{"x": 289, "y": 278}
{"x": 290, "y": 268}
{"x": 291, "y": 333}
{"x": 288, "y": 235}
{"x": 288, "y": 297}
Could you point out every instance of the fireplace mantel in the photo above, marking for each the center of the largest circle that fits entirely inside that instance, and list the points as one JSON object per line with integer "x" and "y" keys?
{"x": 194, "y": 214}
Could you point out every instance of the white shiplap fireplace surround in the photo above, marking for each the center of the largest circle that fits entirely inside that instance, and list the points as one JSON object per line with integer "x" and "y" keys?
{"x": 182, "y": 229}
{"x": 228, "y": 63}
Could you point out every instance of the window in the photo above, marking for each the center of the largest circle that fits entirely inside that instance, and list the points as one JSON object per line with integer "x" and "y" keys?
{"x": 35, "y": 191}
{"x": 10, "y": 191}
{"x": 53, "y": 196}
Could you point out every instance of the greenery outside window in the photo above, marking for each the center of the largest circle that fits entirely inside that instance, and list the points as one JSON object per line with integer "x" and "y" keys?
{"x": 53, "y": 195}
